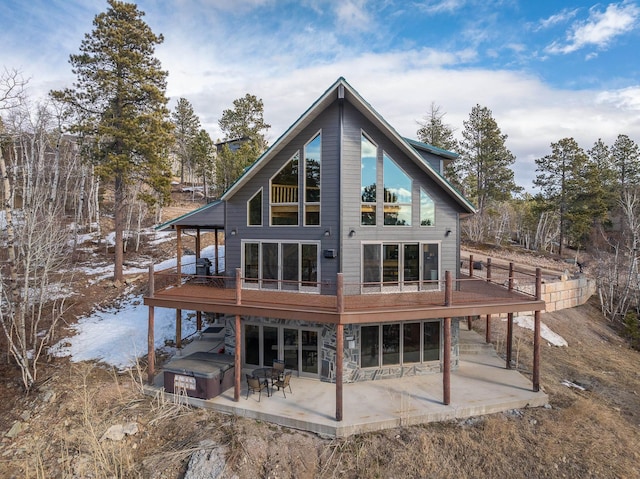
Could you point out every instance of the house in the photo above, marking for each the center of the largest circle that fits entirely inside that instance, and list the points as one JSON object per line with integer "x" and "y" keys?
{"x": 342, "y": 255}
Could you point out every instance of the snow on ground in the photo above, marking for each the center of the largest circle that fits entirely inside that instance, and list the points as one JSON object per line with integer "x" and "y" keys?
{"x": 527, "y": 322}
{"x": 118, "y": 335}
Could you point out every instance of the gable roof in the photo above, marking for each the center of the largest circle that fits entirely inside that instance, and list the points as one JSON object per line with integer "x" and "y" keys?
{"x": 342, "y": 89}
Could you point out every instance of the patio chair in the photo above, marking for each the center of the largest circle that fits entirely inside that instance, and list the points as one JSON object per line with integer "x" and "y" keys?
{"x": 278, "y": 370}
{"x": 254, "y": 385}
{"x": 284, "y": 383}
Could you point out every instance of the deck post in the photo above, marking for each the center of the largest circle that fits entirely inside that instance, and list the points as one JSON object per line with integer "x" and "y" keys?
{"x": 339, "y": 361}
{"x": 179, "y": 328}
{"x": 151, "y": 350}
{"x": 446, "y": 367}
{"x": 179, "y": 254}
{"x": 536, "y": 334}
{"x": 488, "y": 270}
{"x": 236, "y": 360}
{"x": 152, "y": 281}
{"x": 197, "y": 243}
{"x": 487, "y": 338}
{"x": 470, "y": 266}
{"x": 509, "y": 338}
{"x": 217, "y": 263}
{"x": 469, "y": 322}
{"x": 238, "y": 286}
{"x": 448, "y": 288}
{"x": 340, "y": 293}
{"x": 199, "y": 320}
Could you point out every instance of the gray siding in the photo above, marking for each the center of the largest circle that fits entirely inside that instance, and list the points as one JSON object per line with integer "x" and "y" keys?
{"x": 340, "y": 200}
{"x": 327, "y": 124}
{"x": 446, "y": 208}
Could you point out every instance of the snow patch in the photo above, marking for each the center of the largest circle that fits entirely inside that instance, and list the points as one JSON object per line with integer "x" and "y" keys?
{"x": 547, "y": 334}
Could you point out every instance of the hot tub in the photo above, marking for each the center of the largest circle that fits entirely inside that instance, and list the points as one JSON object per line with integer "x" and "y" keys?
{"x": 200, "y": 375}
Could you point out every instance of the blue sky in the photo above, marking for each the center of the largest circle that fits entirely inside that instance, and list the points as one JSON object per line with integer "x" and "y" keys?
{"x": 547, "y": 69}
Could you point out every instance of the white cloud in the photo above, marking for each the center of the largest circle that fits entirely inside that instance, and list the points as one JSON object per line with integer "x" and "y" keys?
{"x": 600, "y": 29}
{"x": 353, "y": 15}
{"x": 557, "y": 18}
{"x": 433, "y": 7}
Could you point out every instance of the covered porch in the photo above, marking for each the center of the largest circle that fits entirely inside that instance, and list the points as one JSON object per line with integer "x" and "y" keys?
{"x": 481, "y": 385}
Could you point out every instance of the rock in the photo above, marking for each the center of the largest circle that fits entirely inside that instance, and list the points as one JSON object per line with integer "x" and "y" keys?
{"x": 117, "y": 432}
{"x": 206, "y": 463}
{"x": 16, "y": 429}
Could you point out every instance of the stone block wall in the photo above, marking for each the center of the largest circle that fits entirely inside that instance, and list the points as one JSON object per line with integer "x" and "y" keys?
{"x": 567, "y": 294}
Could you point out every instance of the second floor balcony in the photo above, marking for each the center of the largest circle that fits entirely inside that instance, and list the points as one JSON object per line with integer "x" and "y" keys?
{"x": 493, "y": 290}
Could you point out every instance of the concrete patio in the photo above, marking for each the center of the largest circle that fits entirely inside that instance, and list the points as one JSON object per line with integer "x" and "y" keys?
{"x": 481, "y": 385}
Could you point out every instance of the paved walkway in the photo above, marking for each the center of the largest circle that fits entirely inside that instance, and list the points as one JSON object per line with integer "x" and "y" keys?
{"x": 481, "y": 385}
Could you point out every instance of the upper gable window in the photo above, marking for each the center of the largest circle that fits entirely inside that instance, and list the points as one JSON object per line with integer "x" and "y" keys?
{"x": 254, "y": 209}
{"x": 284, "y": 194}
{"x": 368, "y": 169}
{"x": 427, "y": 209}
{"x": 312, "y": 168}
{"x": 397, "y": 194}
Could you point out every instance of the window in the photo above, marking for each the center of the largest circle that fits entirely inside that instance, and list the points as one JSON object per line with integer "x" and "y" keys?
{"x": 251, "y": 261}
{"x": 397, "y": 194}
{"x": 407, "y": 266}
{"x": 371, "y": 263}
{"x": 368, "y": 175}
{"x": 431, "y": 350}
{"x": 399, "y": 343}
{"x": 312, "y": 164}
{"x": 427, "y": 209}
{"x": 290, "y": 266}
{"x": 254, "y": 209}
{"x": 370, "y": 337}
{"x": 284, "y": 194}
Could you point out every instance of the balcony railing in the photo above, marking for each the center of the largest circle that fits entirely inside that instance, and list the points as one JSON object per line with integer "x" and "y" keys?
{"x": 492, "y": 284}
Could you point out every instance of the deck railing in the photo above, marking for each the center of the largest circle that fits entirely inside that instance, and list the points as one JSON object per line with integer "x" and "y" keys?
{"x": 498, "y": 283}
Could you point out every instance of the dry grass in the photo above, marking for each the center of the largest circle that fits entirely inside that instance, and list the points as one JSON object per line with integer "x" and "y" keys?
{"x": 585, "y": 434}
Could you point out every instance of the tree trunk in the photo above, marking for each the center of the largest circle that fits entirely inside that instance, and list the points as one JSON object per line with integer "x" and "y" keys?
{"x": 118, "y": 227}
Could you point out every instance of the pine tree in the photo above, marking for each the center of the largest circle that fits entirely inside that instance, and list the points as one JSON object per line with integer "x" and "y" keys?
{"x": 187, "y": 126}
{"x": 561, "y": 176}
{"x": 245, "y": 123}
{"x": 121, "y": 107}
{"x": 435, "y": 132}
{"x": 485, "y": 166}
{"x": 625, "y": 156}
{"x": 203, "y": 153}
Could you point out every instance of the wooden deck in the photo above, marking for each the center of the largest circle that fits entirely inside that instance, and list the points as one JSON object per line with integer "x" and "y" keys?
{"x": 470, "y": 297}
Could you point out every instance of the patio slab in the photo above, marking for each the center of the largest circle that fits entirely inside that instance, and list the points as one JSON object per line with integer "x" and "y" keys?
{"x": 481, "y": 385}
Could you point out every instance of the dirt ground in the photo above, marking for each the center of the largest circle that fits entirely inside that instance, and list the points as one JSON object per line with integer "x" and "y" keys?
{"x": 590, "y": 431}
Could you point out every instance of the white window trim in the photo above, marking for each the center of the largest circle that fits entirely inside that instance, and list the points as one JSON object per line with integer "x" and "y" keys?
{"x": 384, "y": 203}
{"x": 271, "y": 190}
{"x": 401, "y": 285}
{"x": 304, "y": 183}
{"x": 257, "y": 284}
{"x": 368, "y": 137}
{"x": 260, "y": 190}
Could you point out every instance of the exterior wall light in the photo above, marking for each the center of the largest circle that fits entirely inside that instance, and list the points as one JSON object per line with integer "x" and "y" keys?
{"x": 327, "y": 232}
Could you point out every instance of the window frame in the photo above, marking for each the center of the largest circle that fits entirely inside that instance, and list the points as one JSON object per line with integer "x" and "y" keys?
{"x": 385, "y": 203}
{"x": 369, "y": 204}
{"x": 400, "y": 283}
{"x": 306, "y": 203}
{"x": 259, "y": 192}
{"x": 423, "y": 192}
{"x": 295, "y": 156}
{"x": 278, "y": 283}
{"x": 384, "y": 349}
